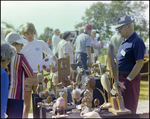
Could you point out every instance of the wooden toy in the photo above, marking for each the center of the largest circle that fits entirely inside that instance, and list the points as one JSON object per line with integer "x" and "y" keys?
{"x": 64, "y": 92}
{"x": 79, "y": 62}
{"x": 116, "y": 102}
{"x": 89, "y": 62}
{"x": 64, "y": 70}
{"x": 76, "y": 97}
{"x": 40, "y": 80}
{"x": 59, "y": 105}
{"x": 96, "y": 102}
{"x": 89, "y": 84}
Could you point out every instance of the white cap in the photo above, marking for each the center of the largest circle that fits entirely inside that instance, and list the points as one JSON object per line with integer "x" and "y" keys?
{"x": 15, "y": 37}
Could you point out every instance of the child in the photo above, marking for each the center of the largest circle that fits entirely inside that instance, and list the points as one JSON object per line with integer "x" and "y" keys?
{"x": 19, "y": 70}
{"x": 33, "y": 51}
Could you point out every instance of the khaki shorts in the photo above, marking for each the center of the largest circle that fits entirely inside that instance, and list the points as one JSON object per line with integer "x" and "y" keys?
{"x": 32, "y": 83}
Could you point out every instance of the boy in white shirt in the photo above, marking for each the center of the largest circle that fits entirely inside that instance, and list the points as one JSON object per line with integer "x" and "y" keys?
{"x": 33, "y": 51}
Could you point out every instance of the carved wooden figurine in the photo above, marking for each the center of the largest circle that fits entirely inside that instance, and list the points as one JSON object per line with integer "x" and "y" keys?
{"x": 64, "y": 70}
{"x": 79, "y": 62}
{"x": 89, "y": 84}
{"x": 89, "y": 62}
{"x": 76, "y": 97}
{"x": 53, "y": 78}
{"x": 40, "y": 80}
{"x": 117, "y": 102}
{"x": 59, "y": 105}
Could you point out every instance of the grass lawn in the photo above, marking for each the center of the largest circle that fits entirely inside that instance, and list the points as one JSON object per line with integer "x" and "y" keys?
{"x": 144, "y": 90}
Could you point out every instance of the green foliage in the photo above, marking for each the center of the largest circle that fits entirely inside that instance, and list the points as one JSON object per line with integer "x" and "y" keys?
{"x": 144, "y": 90}
{"x": 101, "y": 16}
{"x": 7, "y": 25}
{"x": 47, "y": 35}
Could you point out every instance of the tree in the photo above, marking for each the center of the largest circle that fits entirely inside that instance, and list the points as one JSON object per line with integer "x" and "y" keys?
{"x": 7, "y": 25}
{"x": 102, "y": 15}
{"x": 48, "y": 33}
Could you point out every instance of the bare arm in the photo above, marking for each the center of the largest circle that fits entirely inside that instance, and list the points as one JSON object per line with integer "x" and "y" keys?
{"x": 88, "y": 51}
{"x": 55, "y": 59}
{"x": 74, "y": 47}
{"x": 95, "y": 46}
{"x": 136, "y": 69}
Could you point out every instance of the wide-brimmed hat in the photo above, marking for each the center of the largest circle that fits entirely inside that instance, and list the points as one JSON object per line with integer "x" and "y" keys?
{"x": 15, "y": 37}
{"x": 88, "y": 27}
{"x": 123, "y": 20}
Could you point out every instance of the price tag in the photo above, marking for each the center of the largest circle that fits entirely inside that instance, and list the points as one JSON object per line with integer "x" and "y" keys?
{"x": 123, "y": 52}
{"x": 113, "y": 92}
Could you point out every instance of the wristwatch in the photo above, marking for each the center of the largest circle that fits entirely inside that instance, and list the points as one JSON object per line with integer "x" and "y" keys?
{"x": 129, "y": 78}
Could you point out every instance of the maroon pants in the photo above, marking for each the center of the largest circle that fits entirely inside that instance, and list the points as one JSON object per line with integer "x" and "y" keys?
{"x": 131, "y": 93}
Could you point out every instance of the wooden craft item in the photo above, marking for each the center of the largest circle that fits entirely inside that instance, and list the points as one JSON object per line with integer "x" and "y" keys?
{"x": 111, "y": 62}
{"x": 64, "y": 95}
{"x": 78, "y": 58}
{"x": 64, "y": 70}
{"x": 79, "y": 62}
{"x": 95, "y": 58}
{"x": 40, "y": 80}
{"x": 39, "y": 75}
{"x": 89, "y": 62}
{"x": 53, "y": 76}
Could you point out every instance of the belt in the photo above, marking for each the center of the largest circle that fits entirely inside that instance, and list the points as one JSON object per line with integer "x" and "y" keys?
{"x": 124, "y": 72}
{"x": 81, "y": 52}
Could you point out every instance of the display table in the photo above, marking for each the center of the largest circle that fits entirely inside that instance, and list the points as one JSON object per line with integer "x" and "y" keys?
{"x": 35, "y": 100}
{"x": 103, "y": 114}
{"x": 96, "y": 94}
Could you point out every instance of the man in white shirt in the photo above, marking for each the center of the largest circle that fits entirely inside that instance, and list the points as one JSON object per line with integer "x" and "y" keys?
{"x": 55, "y": 40}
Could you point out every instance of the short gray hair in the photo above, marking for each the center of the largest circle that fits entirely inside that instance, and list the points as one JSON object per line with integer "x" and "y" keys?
{"x": 7, "y": 51}
{"x": 93, "y": 32}
{"x": 81, "y": 30}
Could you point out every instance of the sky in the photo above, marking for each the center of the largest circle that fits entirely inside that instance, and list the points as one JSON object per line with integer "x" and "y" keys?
{"x": 54, "y": 14}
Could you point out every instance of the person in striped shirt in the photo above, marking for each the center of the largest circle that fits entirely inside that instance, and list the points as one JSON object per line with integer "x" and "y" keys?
{"x": 19, "y": 69}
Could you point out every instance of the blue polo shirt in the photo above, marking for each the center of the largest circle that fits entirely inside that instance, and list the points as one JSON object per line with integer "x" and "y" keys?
{"x": 129, "y": 51}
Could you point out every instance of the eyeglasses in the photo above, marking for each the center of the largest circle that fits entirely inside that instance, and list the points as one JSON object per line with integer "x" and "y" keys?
{"x": 121, "y": 26}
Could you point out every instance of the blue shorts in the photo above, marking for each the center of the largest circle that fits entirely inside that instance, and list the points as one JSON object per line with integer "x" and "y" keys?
{"x": 14, "y": 108}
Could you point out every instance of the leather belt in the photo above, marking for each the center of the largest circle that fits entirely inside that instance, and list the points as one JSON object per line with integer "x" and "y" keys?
{"x": 124, "y": 72}
{"x": 81, "y": 52}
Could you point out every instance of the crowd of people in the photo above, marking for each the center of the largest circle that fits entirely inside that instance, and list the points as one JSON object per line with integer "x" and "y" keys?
{"x": 20, "y": 55}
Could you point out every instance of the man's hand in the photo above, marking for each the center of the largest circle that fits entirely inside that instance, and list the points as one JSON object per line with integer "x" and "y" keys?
{"x": 55, "y": 59}
{"x": 89, "y": 63}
